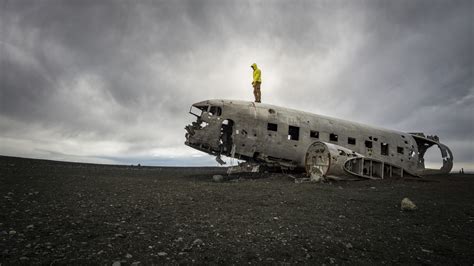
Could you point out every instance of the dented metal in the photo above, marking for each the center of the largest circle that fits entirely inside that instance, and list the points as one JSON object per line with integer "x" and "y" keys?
{"x": 325, "y": 147}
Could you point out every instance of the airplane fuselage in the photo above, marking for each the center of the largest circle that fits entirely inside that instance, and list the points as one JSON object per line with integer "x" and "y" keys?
{"x": 271, "y": 134}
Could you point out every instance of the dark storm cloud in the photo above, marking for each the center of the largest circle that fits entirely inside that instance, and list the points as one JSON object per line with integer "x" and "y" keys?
{"x": 111, "y": 79}
{"x": 418, "y": 67}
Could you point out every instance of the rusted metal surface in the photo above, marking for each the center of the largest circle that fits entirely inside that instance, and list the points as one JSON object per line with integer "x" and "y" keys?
{"x": 291, "y": 139}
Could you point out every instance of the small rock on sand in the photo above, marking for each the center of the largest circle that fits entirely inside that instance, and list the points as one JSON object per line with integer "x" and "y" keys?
{"x": 217, "y": 178}
{"x": 407, "y": 205}
{"x": 198, "y": 242}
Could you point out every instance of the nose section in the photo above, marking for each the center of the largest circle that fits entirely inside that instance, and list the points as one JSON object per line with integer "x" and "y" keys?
{"x": 208, "y": 133}
{"x": 189, "y": 132}
{"x": 203, "y": 133}
{"x": 196, "y": 110}
{"x": 194, "y": 127}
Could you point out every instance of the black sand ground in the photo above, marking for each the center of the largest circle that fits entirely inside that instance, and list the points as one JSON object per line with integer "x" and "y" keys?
{"x": 67, "y": 213}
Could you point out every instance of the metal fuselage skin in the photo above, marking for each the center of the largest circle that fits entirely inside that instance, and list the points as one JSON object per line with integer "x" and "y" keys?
{"x": 271, "y": 134}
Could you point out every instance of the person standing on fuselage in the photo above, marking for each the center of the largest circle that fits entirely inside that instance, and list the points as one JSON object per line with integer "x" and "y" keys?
{"x": 257, "y": 81}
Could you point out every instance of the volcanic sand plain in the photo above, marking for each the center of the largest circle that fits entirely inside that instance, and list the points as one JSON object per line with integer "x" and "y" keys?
{"x": 72, "y": 213}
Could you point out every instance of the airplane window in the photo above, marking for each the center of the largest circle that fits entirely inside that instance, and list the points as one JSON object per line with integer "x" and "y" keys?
{"x": 351, "y": 141}
{"x": 400, "y": 150}
{"x": 215, "y": 110}
{"x": 368, "y": 144}
{"x": 293, "y": 133}
{"x": 384, "y": 148}
{"x": 333, "y": 137}
{"x": 197, "y": 110}
{"x": 272, "y": 127}
{"x": 314, "y": 134}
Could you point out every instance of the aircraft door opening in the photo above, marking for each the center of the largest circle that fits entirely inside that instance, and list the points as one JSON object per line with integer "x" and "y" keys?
{"x": 226, "y": 140}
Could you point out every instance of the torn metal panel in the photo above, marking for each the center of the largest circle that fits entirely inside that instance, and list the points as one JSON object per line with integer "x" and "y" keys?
{"x": 423, "y": 144}
{"x": 244, "y": 167}
{"x": 277, "y": 136}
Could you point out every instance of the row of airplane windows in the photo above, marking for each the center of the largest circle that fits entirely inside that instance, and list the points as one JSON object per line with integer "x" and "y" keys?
{"x": 294, "y": 132}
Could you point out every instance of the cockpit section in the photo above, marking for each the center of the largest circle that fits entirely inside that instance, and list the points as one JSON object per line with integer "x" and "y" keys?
{"x": 210, "y": 132}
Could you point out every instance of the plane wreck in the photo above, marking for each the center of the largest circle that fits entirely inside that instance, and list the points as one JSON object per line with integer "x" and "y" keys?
{"x": 324, "y": 147}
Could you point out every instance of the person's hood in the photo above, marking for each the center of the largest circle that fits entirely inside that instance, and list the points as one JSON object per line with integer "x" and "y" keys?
{"x": 254, "y": 66}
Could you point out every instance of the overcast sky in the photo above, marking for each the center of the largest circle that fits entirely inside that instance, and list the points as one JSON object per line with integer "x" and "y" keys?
{"x": 112, "y": 81}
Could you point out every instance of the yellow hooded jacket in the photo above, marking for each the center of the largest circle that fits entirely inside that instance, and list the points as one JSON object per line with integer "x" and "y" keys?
{"x": 257, "y": 74}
